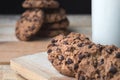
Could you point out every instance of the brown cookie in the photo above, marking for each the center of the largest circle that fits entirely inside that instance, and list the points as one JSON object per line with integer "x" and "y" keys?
{"x": 51, "y": 33}
{"x": 75, "y": 55}
{"x": 56, "y": 15}
{"x": 63, "y": 52}
{"x": 102, "y": 66}
{"x": 29, "y": 24}
{"x": 40, "y": 4}
{"x": 57, "y": 25}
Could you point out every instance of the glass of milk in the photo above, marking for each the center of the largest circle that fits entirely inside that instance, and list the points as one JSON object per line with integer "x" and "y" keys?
{"x": 106, "y": 22}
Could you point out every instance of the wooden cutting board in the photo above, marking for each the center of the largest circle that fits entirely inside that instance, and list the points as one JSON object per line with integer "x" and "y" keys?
{"x": 36, "y": 67}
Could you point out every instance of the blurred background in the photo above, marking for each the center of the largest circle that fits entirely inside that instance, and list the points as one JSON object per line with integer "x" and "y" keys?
{"x": 71, "y": 6}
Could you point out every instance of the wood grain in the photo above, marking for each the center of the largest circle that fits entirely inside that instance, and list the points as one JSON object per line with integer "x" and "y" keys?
{"x": 10, "y": 50}
{"x": 36, "y": 67}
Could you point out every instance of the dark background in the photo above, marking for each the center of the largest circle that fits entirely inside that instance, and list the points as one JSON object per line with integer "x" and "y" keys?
{"x": 71, "y": 6}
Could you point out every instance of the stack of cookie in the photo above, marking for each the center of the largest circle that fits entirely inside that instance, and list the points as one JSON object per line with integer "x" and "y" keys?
{"x": 43, "y": 18}
{"x": 75, "y": 55}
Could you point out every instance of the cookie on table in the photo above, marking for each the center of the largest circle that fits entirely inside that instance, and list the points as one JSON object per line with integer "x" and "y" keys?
{"x": 57, "y": 25}
{"x": 29, "y": 24}
{"x": 40, "y": 4}
{"x": 56, "y": 15}
{"x": 51, "y": 33}
{"x": 107, "y": 65}
{"x": 63, "y": 52}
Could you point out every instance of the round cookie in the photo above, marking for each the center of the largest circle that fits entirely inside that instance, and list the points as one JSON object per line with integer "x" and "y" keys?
{"x": 103, "y": 66}
{"x": 63, "y": 51}
{"x": 40, "y": 4}
{"x": 51, "y": 33}
{"x": 29, "y": 24}
{"x": 57, "y": 25}
{"x": 75, "y": 55}
{"x": 56, "y": 15}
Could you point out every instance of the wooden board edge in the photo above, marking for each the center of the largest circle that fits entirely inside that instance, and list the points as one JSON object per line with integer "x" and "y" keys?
{"x": 4, "y": 63}
{"x": 26, "y": 73}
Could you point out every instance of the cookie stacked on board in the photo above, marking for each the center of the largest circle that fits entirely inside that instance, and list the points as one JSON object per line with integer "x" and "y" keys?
{"x": 75, "y": 55}
{"x": 43, "y": 18}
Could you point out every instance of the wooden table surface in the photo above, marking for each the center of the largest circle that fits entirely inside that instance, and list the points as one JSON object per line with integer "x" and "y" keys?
{"x": 78, "y": 23}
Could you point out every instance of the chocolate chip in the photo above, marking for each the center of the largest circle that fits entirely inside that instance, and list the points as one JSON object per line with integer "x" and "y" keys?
{"x": 51, "y": 61}
{"x": 29, "y": 20}
{"x": 109, "y": 51}
{"x": 65, "y": 42}
{"x": 87, "y": 54}
{"x": 74, "y": 42}
{"x": 26, "y": 35}
{"x": 99, "y": 47}
{"x": 30, "y": 4}
{"x": 31, "y": 28}
{"x": 87, "y": 38}
{"x": 79, "y": 61}
{"x": 81, "y": 78}
{"x": 26, "y": 18}
{"x": 90, "y": 46}
{"x": 78, "y": 38}
{"x": 58, "y": 49}
{"x": 75, "y": 66}
{"x": 69, "y": 61}
{"x": 61, "y": 57}
{"x": 81, "y": 56}
{"x": 80, "y": 45}
{"x": 101, "y": 61}
{"x": 117, "y": 55}
{"x": 53, "y": 45}
{"x": 70, "y": 49}
{"x": 26, "y": 31}
{"x": 97, "y": 71}
{"x": 35, "y": 20}
{"x": 35, "y": 16}
{"x": 95, "y": 63}
{"x": 49, "y": 51}
{"x": 98, "y": 74}
{"x": 21, "y": 21}
{"x": 18, "y": 35}
{"x": 53, "y": 41}
{"x": 112, "y": 70}
{"x": 16, "y": 28}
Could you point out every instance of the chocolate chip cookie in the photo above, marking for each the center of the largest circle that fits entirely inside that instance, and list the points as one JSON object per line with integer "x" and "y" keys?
{"x": 40, "y": 4}
{"x": 63, "y": 52}
{"x": 51, "y": 33}
{"x": 56, "y": 15}
{"x": 103, "y": 66}
{"x": 76, "y": 56}
{"x": 57, "y": 25}
{"x": 29, "y": 24}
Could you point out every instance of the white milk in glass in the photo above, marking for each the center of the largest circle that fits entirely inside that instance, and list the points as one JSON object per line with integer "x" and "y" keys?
{"x": 106, "y": 22}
